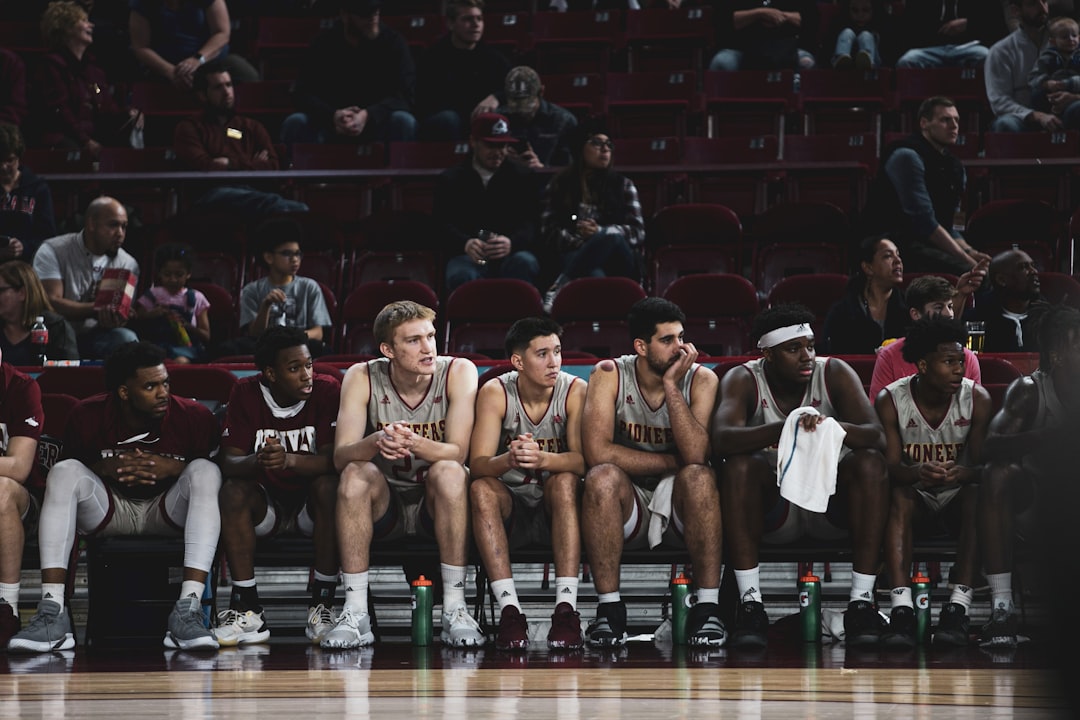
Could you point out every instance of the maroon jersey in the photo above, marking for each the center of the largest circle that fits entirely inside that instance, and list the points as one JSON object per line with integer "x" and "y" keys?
{"x": 96, "y": 430}
{"x": 20, "y": 414}
{"x": 250, "y": 419}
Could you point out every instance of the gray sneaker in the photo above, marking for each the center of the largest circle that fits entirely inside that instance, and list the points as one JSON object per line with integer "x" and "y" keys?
{"x": 352, "y": 630}
{"x": 186, "y": 628}
{"x": 48, "y": 630}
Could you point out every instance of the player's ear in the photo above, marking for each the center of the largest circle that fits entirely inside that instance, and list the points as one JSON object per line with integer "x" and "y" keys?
{"x": 921, "y": 365}
{"x": 640, "y": 346}
{"x": 517, "y": 362}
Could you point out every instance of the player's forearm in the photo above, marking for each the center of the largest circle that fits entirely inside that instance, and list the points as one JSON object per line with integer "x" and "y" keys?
{"x": 633, "y": 462}
{"x": 858, "y": 437}
{"x": 691, "y": 438}
{"x": 744, "y": 440}
{"x": 237, "y": 466}
{"x": 489, "y": 465}
{"x": 564, "y": 462}
{"x": 310, "y": 465}
{"x": 361, "y": 451}
{"x": 434, "y": 451}
{"x": 16, "y": 468}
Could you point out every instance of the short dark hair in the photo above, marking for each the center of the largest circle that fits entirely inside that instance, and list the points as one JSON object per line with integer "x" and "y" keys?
{"x": 454, "y": 7}
{"x": 127, "y": 360}
{"x": 928, "y": 289}
{"x": 522, "y": 332}
{"x": 924, "y": 336}
{"x": 276, "y": 232}
{"x": 649, "y": 312}
{"x": 200, "y": 80}
{"x": 173, "y": 251}
{"x": 1056, "y": 325}
{"x": 275, "y": 339}
{"x": 930, "y": 105}
{"x": 11, "y": 141}
{"x": 779, "y": 316}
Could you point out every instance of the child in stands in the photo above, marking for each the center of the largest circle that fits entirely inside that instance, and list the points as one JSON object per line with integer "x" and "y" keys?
{"x": 170, "y": 314}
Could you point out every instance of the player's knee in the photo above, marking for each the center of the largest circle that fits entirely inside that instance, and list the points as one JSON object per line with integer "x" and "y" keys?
{"x": 603, "y": 479}
{"x": 234, "y": 495}
{"x": 738, "y": 470}
{"x": 562, "y": 488}
{"x": 448, "y": 475}
{"x": 867, "y": 466}
{"x": 324, "y": 490}
{"x": 11, "y": 492}
{"x": 203, "y": 475}
{"x": 483, "y": 494}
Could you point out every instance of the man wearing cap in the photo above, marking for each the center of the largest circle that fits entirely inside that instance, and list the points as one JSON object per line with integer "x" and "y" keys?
{"x": 822, "y": 398}
{"x": 357, "y": 82}
{"x": 488, "y": 208}
{"x": 541, "y": 128}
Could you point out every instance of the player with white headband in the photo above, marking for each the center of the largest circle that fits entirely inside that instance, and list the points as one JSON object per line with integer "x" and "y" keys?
{"x": 755, "y": 401}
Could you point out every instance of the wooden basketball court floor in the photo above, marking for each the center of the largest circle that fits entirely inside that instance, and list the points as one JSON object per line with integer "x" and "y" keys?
{"x": 290, "y": 679}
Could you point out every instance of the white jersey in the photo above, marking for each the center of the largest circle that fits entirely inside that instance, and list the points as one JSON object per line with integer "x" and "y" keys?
{"x": 427, "y": 418}
{"x": 924, "y": 442}
{"x": 1050, "y": 413}
{"x": 767, "y": 411}
{"x": 637, "y": 424}
{"x": 549, "y": 431}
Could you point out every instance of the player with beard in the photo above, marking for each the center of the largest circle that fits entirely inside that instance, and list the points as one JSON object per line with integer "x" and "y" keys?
{"x": 646, "y": 443}
{"x": 136, "y": 463}
{"x": 70, "y": 267}
{"x": 755, "y": 401}
{"x": 277, "y": 459}
{"x": 935, "y": 424}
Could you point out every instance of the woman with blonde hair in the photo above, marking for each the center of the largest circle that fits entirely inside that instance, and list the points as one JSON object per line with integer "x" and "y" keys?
{"x": 22, "y": 298}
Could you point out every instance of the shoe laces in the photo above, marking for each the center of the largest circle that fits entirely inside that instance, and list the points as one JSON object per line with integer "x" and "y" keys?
{"x": 460, "y": 616}
{"x": 320, "y": 615}
{"x": 41, "y": 621}
{"x": 350, "y": 618}
{"x": 228, "y": 617}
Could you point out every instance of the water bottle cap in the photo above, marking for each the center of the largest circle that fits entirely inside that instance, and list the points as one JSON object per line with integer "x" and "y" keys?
{"x": 40, "y": 319}
{"x": 421, "y": 582}
{"x": 920, "y": 578}
{"x": 681, "y": 580}
{"x": 809, "y": 578}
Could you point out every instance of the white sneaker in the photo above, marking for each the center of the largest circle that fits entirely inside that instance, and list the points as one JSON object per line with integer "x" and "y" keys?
{"x": 352, "y": 629}
{"x": 549, "y": 298}
{"x": 320, "y": 620}
{"x": 460, "y": 629}
{"x": 240, "y": 628}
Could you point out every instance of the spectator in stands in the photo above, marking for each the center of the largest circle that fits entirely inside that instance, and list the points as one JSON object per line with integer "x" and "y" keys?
{"x": 918, "y": 192}
{"x": 71, "y": 266}
{"x": 221, "y": 140}
{"x": 1058, "y": 67}
{"x": 74, "y": 105}
{"x": 13, "y": 108}
{"x": 172, "y": 38}
{"x": 1011, "y": 308}
{"x": 872, "y": 309}
{"x": 136, "y": 462}
{"x": 745, "y": 434}
{"x": 542, "y": 129}
{"x": 935, "y": 425}
{"x": 283, "y": 297}
{"x": 649, "y": 479}
{"x": 756, "y": 35}
{"x": 402, "y": 439}
{"x": 941, "y": 33}
{"x": 1037, "y": 418}
{"x": 488, "y": 207}
{"x": 591, "y": 216}
{"x": 926, "y": 296}
{"x": 526, "y": 477}
{"x": 357, "y": 83}
{"x": 458, "y": 77}
{"x": 277, "y": 460}
{"x": 1008, "y": 72}
{"x": 26, "y": 206}
{"x": 22, "y": 419}
{"x": 22, "y": 299}
{"x": 860, "y": 35}
{"x": 170, "y": 314}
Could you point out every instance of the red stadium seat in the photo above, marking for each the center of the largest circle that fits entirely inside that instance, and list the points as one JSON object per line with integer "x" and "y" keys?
{"x": 727, "y": 180}
{"x": 650, "y": 104}
{"x": 364, "y": 303}
{"x": 719, "y": 309}
{"x": 479, "y": 313}
{"x": 577, "y": 41}
{"x": 844, "y": 103}
{"x": 592, "y": 311}
{"x": 839, "y": 171}
{"x": 666, "y": 39}
{"x": 692, "y": 238}
{"x": 818, "y": 292}
{"x": 1036, "y": 226}
{"x": 799, "y": 238}
{"x": 223, "y": 311}
{"x": 1060, "y": 288}
{"x": 748, "y": 102}
{"x": 81, "y": 381}
{"x": 208, "y": 384}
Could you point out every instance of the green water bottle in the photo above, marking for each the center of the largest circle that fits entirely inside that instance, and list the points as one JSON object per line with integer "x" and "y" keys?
{"x": 920, "y": 592}
{"x": 810, "y": 607}
{"x": 680, "y": 608}
{"x": 421, "y": 611}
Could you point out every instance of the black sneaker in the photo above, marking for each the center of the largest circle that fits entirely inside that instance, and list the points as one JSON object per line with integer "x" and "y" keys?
{"x": 751, "y": 626}
{"x": 862, "y": 624}
{"x": 608, "y": 630}
{"x": 704, "y": 627}
{"x": 953, "y": 627}
{"x": 1000, "y": 630}
{"x": 900, "y": 634}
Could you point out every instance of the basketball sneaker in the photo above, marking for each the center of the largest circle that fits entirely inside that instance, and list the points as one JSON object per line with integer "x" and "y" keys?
{"x": 320, "y": 620}
{"x": 352, "y": 630}
{"x": 901, "y": 634}
{"x": 460, "y": 629}
{"x": 751, "y": 626}
{"x": 565, "y": 632}
{"x": 608, "y": 630}
{"x": 704, "y": 627}
{"x": 513, "y": 631}
{"x": 862, "y": 624}
{"x": 241, "y": 628}
{"x": 998, "y": 632}
{"x": 953, "y": 627}
{"x": 9, "y": 624}
{"x": 186, "y": 629}
{"x": 49, "y": 629}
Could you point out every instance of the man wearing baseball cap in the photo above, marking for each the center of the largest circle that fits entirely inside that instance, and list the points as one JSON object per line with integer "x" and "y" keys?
{"x": 488, "y": 208}
{"x": 541, "y": 127}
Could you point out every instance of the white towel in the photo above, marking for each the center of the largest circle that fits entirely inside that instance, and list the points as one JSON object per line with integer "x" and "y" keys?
{"x": 806, "y": 462}
{"x": 660, "y": 510}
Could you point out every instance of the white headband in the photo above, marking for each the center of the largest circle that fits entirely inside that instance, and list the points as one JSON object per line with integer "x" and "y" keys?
{"x": 783, "y": 334}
